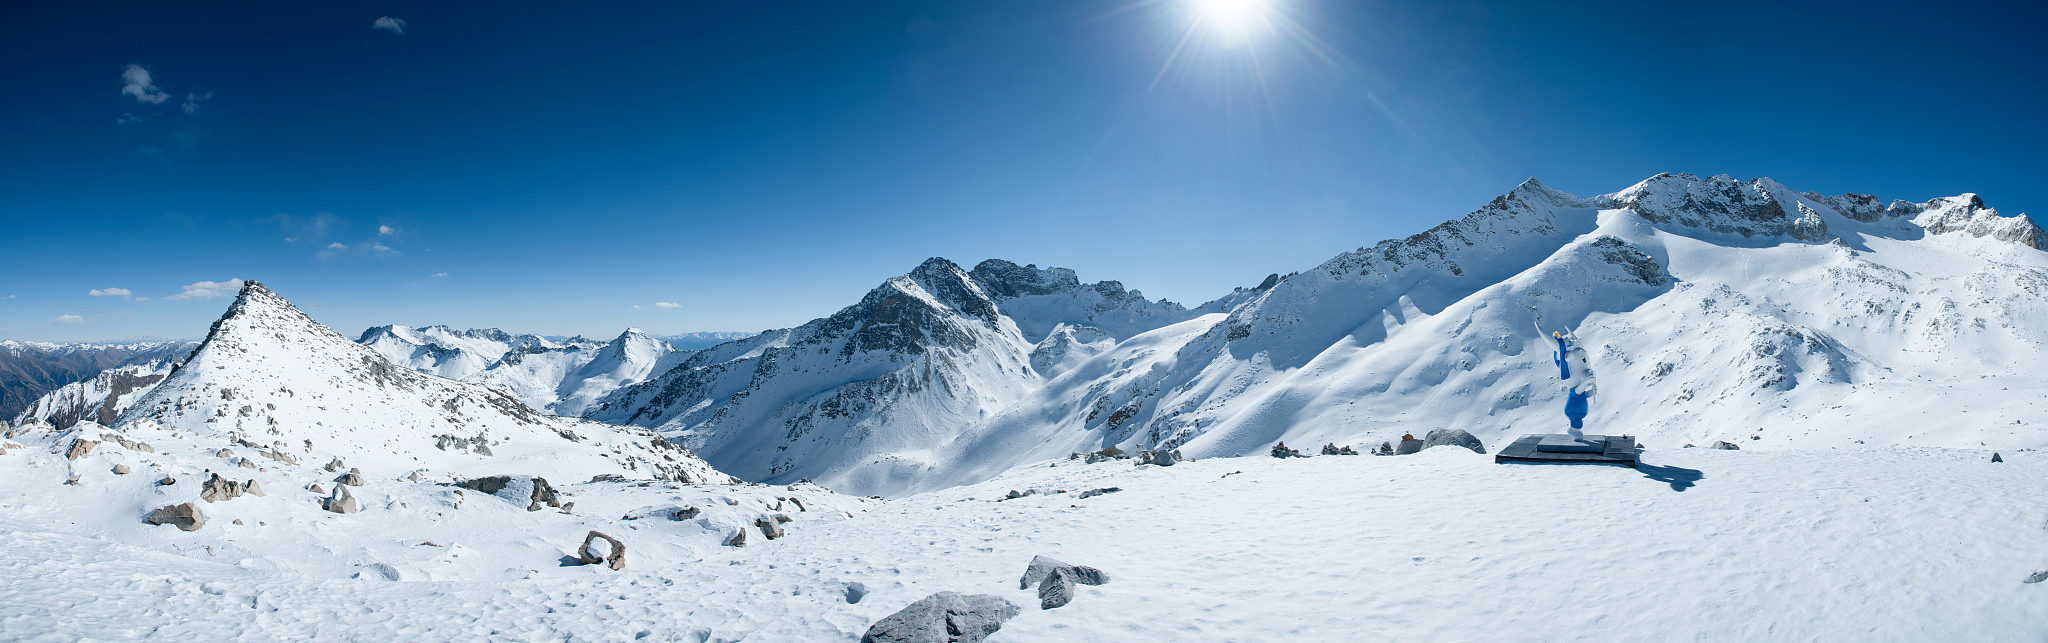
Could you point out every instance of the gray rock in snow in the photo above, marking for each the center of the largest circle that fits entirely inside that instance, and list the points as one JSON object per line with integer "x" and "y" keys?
{"x": 2036, "y": 577}
{"x": 352, "y": 479}
{"x": 614, "y": 558}
{"x": 334, "y": 466}
{"x": 739, "y": 538}
{"x": 1097, "y": 492}
{"x": 1161, "y": 457}
{"x": 122, "y": 469}
{"x": 1724, "y": 446}
{"x": 1452, "y": 437}
{"x": 1995, "y": 458}
{"x": 187, "y": 516}
{"x": 945, "y": 617}
{"x": 1057, "y": 590}
{"x": 1056, "y": 580}
{"x": 80, "y": 448}
{"x": 218, "y": 489}
{"x": 1408, "y": 446}
{"x": 343, "y": 502}
{"x": 687, "y": 513}
{"x": 769, "y": 527}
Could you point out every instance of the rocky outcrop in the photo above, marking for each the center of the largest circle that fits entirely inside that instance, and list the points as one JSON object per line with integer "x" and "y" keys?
{"x": 1160, "y": 457}
{"x": 1333, "y": 449}
{"x": 186, "y": 516}
{"x": 1724, "y": 446}
{"x": 1408, "y": 446}
{"x": 615, "y": 557}
{"x": 945, "y": 617}
{"x": 1281, "y": 451}
{"x": 1453, "y": 437}
{"x": 540, "y": 495}
{"x": 218, "y": 489}
{"x": 342, "y": 502}
{"x": 80, "y": 448}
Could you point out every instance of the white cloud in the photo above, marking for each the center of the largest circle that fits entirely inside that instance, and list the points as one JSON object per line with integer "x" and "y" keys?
{"x": 209, "y": 289}
{"x": 385, "y": 231}
{"x": 68, "y": 320}
{"x": 337, "y": 246}
{"x": 141, "y": 299}
{"x": 663, "y": 304}
{"x": 438, "y": 274}
{"x": 110, "y": 292}
{"x": 137, "y": 83}
{"x": 388, "y": 23}
{"x": 192, "y": 101}
{"x": 638, "y": 307}
{"x": 8, "y": 297}
{"x": 382, "y": 250}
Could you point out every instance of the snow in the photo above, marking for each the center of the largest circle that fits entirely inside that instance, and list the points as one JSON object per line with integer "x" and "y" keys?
{"x": 1865, "y": 543}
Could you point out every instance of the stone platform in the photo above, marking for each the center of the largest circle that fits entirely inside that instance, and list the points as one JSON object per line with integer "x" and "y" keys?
{"x": 1558, "y": 448}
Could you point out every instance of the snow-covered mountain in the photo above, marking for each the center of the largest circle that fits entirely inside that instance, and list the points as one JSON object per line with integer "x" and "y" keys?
{"x": 858, "y": 400}
{"x": 1715, "y": 308}
{"x": 31, "y": 370}
{"x": 560, "y": 377}
{"x": 701, "y": 340}
{"x": 100, "y": 399}
{"x": 458, "y": 354}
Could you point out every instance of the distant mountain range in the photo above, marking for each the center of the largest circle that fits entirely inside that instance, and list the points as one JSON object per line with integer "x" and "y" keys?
{"x": 1712, "y": 309}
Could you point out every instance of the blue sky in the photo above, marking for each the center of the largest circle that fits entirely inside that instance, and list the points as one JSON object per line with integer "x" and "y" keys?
{"x": 562, "y": 169}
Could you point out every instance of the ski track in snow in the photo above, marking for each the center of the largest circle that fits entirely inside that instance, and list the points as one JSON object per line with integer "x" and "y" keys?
{"x": 1864, "y": 544}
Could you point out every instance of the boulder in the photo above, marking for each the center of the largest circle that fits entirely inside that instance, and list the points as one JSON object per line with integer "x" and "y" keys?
{"x": 687, "y": 513}
{"x": 80, "y": 448}
{"x": 1281, "y": 451}
{"x": 1333, "y": 449}
{"x": 248, "y": 464}
{"x": 1056, "y": 580}
{"x": 251, "y": 489}
{"x": 1160, "y": 457}
{"x": 1724, "y": 446}
{"x": 615, "y": 558}
{"x": 945, "y": 617}
{"x": 739, "y": 538}
{"x": 1408, "y": 447}
{"x": 799, "y": 504}
{"x": 318, "y": 489}
{"x": 769, "y": 527}
{"x": 541, "y": 494}
{"x": 167, "y": 481}
{"x": 224, "y": 453}
{"x": 1097, "y": 492}
{"x": 342, "y": 502}
{"x": 783, "y": 518}
{"x": 218, "y": 489}
{"x": 1995, "y": 458}
{"x": 1453, "y": 437}
{"x": 1386, "y": 448}
{"x": 351, "y": 479}
{"x": 334, "y": 466}
{"x": 186, "y": 516}
{"x": 121, "y": 470}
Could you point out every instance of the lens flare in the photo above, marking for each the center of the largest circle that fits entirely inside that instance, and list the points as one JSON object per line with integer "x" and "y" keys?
{"x": 1234, "y": 19}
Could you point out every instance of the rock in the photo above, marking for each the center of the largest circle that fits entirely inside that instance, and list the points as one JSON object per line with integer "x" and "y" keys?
{"x": 1333, "y": 449}
{"x": 218, "y": 489}
{"x": 351, "y": 479}
{"x": 739, "y": 538}
{"x": 687, "y": 513}
{"x": 945, "y": 617}
{"x": 187, "y": 516}
{"x": 238, "y": 521}
{"x": 1386, "y": 448}
{"x": 251, "y": 489}
{"x": 1995, "y": 458}
{"x": 1161, "y": 457}
{"x": 615, "y": 558}
{"x": 783, "y": 518}
{"x": 318, "y": 489}
{"x": 1408, "y": 447}
{"x": 542, "y": 494}
{"x": 121, "y": 470}
{"x": 248, "y": 464}
{"x": 2036, "y": 577}
{"x": 1280, "y": 450}
{"x": 1042, "y": 567}
{"x": 73, "y": 480}
{"x": 1724, "y": 446}
{"x": 1452, "y": 437}
{"x": 1057, "y": 590}
{"x": 769, "y": 527}
{"x": 1097, "y": 492}
{"x": 334, "y": 466}
{"x": 224, "y": 453}
{"x": 343, "y": 502}
{"x": 80, "y": 448}
{"x": 167, "y": 481}
{"x": 277, "y": 455}
{"x": 799, "y": 504}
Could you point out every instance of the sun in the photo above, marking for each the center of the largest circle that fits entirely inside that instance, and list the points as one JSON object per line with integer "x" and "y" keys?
{"x": 1234, "y": 18}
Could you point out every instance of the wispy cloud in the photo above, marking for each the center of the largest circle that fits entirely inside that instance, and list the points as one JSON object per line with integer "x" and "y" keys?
{"x": 372, "y": 248}
{"x": 141, "y": 299}
{"x": 192, "y": 101}
{"x": 8, "y": 297}
{"x": 127, "y": 119}
{"x": 663, "y": 304}
{"x": 136, "y": 82}
{"x": 438, "y": 274}
{"x": 68, "y": 320}
{"x": 393, "y": 25}
{"x": 110, "y": 292}
{"x": 638, "y": 307}
{"x": 209, "y": 289}
{"x": 386, "y": 231}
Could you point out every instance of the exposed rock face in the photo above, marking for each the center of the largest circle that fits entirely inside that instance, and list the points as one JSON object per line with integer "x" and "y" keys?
{"x": 186, "y": 516}
{"x": 79, "y": 448}
{"x": 1453, "y": 437}
{"x": 1280, "y": 450}
{"x": 1161, "y": 457}
{"x": 1333, "y": 449}
{"x": 65, "y": 384}
{"x": 218, "y": 489}
{"x": 945, "y": 617}
{"x": 351, "y": 479}
{"x": 614, "y": 558}
{"x": 1718, "y": 444}
{"x": 687, "y": 513}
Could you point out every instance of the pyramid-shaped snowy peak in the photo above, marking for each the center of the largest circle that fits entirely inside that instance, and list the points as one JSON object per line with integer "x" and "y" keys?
{"x": 269, "y": 377}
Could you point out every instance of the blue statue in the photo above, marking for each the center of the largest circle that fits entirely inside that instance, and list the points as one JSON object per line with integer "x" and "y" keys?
{"x": 1568, "y": 356}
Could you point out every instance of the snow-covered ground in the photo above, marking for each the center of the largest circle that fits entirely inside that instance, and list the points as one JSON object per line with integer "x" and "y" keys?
{"x": 1841, "y": 544}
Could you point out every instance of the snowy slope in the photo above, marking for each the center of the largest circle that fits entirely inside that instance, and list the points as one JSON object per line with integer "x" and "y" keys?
{"x": 457, "y": 354}
{"x": 1714, "y": 309}
{"x": 100, "y": 399}
{"x": 858, "y": 400}
{"x": 1865, "y": 543}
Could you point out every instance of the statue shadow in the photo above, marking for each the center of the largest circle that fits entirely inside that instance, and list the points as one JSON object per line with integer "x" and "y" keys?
{"x": 1679, "y": 478}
